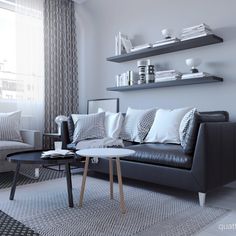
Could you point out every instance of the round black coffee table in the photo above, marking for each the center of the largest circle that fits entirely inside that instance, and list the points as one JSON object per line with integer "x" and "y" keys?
{"x": 34, "y": 157}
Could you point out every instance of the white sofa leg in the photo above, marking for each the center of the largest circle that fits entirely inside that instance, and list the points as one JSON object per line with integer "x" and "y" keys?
{"x": 36, "y": 173}
{"x": 202, "y": 199}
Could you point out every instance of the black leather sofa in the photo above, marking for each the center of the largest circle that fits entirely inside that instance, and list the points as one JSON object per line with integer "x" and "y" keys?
{"x": 213, "y": 163}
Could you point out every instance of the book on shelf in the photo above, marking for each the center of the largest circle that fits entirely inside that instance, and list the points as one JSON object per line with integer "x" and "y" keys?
{"x": 165, "y": 73}
{"x": 167, "y": 78}
{"x": 196, "y": 33}
{"x": 195, "y": 75}
{"x": 119, "y": 46}
{"x": 60, "y": 153}
{"x": 165, "y": 42}
{"x": 197, "y": 27}
{"x": 140, "y": 47}
{"x": 195, "y": 36}
{"x": 127, "y": 44}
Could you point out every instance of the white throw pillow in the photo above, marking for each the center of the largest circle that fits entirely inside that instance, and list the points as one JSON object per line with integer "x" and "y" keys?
{"x": 136, "y": 125}
{"x": 10, "y": 126}
{"x": 113, "y": 123}
{"x": 165, "y": 128}
{"x": 89, "y": 127}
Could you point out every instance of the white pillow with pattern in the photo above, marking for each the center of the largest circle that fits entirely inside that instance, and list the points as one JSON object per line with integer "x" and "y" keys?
{"x": 137, "y": 124}
{"x": 10, "y": 126}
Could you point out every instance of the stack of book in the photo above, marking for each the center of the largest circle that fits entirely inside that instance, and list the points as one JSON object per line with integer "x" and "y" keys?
{"x": 195, "y": 75}
{"x": 57, "y": 154}
{"x": 195, "y": 32}
{"x": 165, "y": 41}
{"x": 167, "y": 75}
{"x": 141, "y": 47}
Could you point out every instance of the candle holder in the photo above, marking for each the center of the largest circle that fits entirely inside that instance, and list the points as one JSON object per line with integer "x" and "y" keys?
{"x": 193, "y": 63}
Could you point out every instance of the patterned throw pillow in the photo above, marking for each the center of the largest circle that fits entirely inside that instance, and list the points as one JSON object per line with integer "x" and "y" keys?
{"x": 10, "y": 126}
{"x": 136, "y": 125}
{"x": 89, "y": 126}
{"x": 186, "y": 130}
{"x": 71, "y": 128}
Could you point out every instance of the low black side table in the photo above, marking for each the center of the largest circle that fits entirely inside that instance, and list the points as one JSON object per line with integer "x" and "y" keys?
{"x": 34, "y": 157}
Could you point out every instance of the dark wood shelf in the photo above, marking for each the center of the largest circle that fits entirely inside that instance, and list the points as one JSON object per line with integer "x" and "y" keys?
{"x": 181, "y": 82}
{"x": 178, "y": 46}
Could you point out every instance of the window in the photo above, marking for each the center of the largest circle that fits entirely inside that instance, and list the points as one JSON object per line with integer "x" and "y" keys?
{"x": 22, "y": 58}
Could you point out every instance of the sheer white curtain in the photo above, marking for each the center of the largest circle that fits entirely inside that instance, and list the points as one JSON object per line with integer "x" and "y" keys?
{"x": 25, "y": 72}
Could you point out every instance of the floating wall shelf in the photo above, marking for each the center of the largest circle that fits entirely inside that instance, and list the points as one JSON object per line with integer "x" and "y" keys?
{"x": 178, "y": 46}
{"x": 181, "y": 82}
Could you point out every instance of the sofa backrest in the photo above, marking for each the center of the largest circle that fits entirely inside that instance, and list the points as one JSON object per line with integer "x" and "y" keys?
{"x": 208, "y": 116}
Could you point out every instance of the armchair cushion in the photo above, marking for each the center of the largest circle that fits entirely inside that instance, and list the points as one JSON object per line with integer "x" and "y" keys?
{"x": 10, "y": 126}
{"x": 32, "y": 137}
{"x": 7, "y": 147}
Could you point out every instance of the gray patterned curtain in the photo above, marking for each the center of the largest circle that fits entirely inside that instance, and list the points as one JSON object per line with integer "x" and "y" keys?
{"x": 61, "y": 75}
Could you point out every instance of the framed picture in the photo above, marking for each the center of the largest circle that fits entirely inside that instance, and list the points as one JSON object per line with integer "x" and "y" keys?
{"x": 107, "y": 104}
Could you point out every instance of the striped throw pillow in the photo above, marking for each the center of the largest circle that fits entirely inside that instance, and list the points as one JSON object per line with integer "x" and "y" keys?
{"x": 89, "y": 127}
{"x": 10, "y": 126}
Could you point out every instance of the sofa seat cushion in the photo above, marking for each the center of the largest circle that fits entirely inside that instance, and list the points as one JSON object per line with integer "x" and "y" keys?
{"x": 171, "y": 155}
{"x": 7, "y": 147}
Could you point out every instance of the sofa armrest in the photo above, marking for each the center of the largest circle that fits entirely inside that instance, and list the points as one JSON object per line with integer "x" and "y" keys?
{"x": 64, "y": 134}
{"x": 214, "y": 161}
{"x": 32, "y": 137}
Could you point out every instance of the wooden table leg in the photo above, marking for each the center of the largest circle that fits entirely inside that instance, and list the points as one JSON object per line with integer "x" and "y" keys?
{"x": 13, "y": 188}
{"x": 111, "y": 177}
{"x": 69, "y": 185}
{"x": 83, "y": 182}
{"x": 122, "y": 201}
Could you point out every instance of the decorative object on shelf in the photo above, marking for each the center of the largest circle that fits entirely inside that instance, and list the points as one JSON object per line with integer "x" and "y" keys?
{"x": 133, "y": 78}
{"x": 58, "y": 121}
{"x": 125, "y": 78}
{"x": 195, "y": 75}
{"x": 195, "y": 32}
{"x": 142, "y": 70}
{"x": 167, "y": 75}
{"x": 141, "y": 47}
{"x": 167, "y": 33}
{"x": 193, "y": 63}
{"x": 150, "y": 76}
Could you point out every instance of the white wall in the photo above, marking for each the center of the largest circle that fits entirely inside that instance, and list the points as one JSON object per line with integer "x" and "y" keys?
{"x": 100, "y": 20}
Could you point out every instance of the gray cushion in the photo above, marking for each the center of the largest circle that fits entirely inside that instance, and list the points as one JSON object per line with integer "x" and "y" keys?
{"x": 7, "y": 147}
{"x": 171, "y": 155}
{"x": 89, "y": 127}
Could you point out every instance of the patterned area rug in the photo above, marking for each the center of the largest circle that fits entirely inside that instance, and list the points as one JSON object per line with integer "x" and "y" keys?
{"x": 45, "y": 174}
{"x": 9, "y": 226}
{"x": 43, "y": 208}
